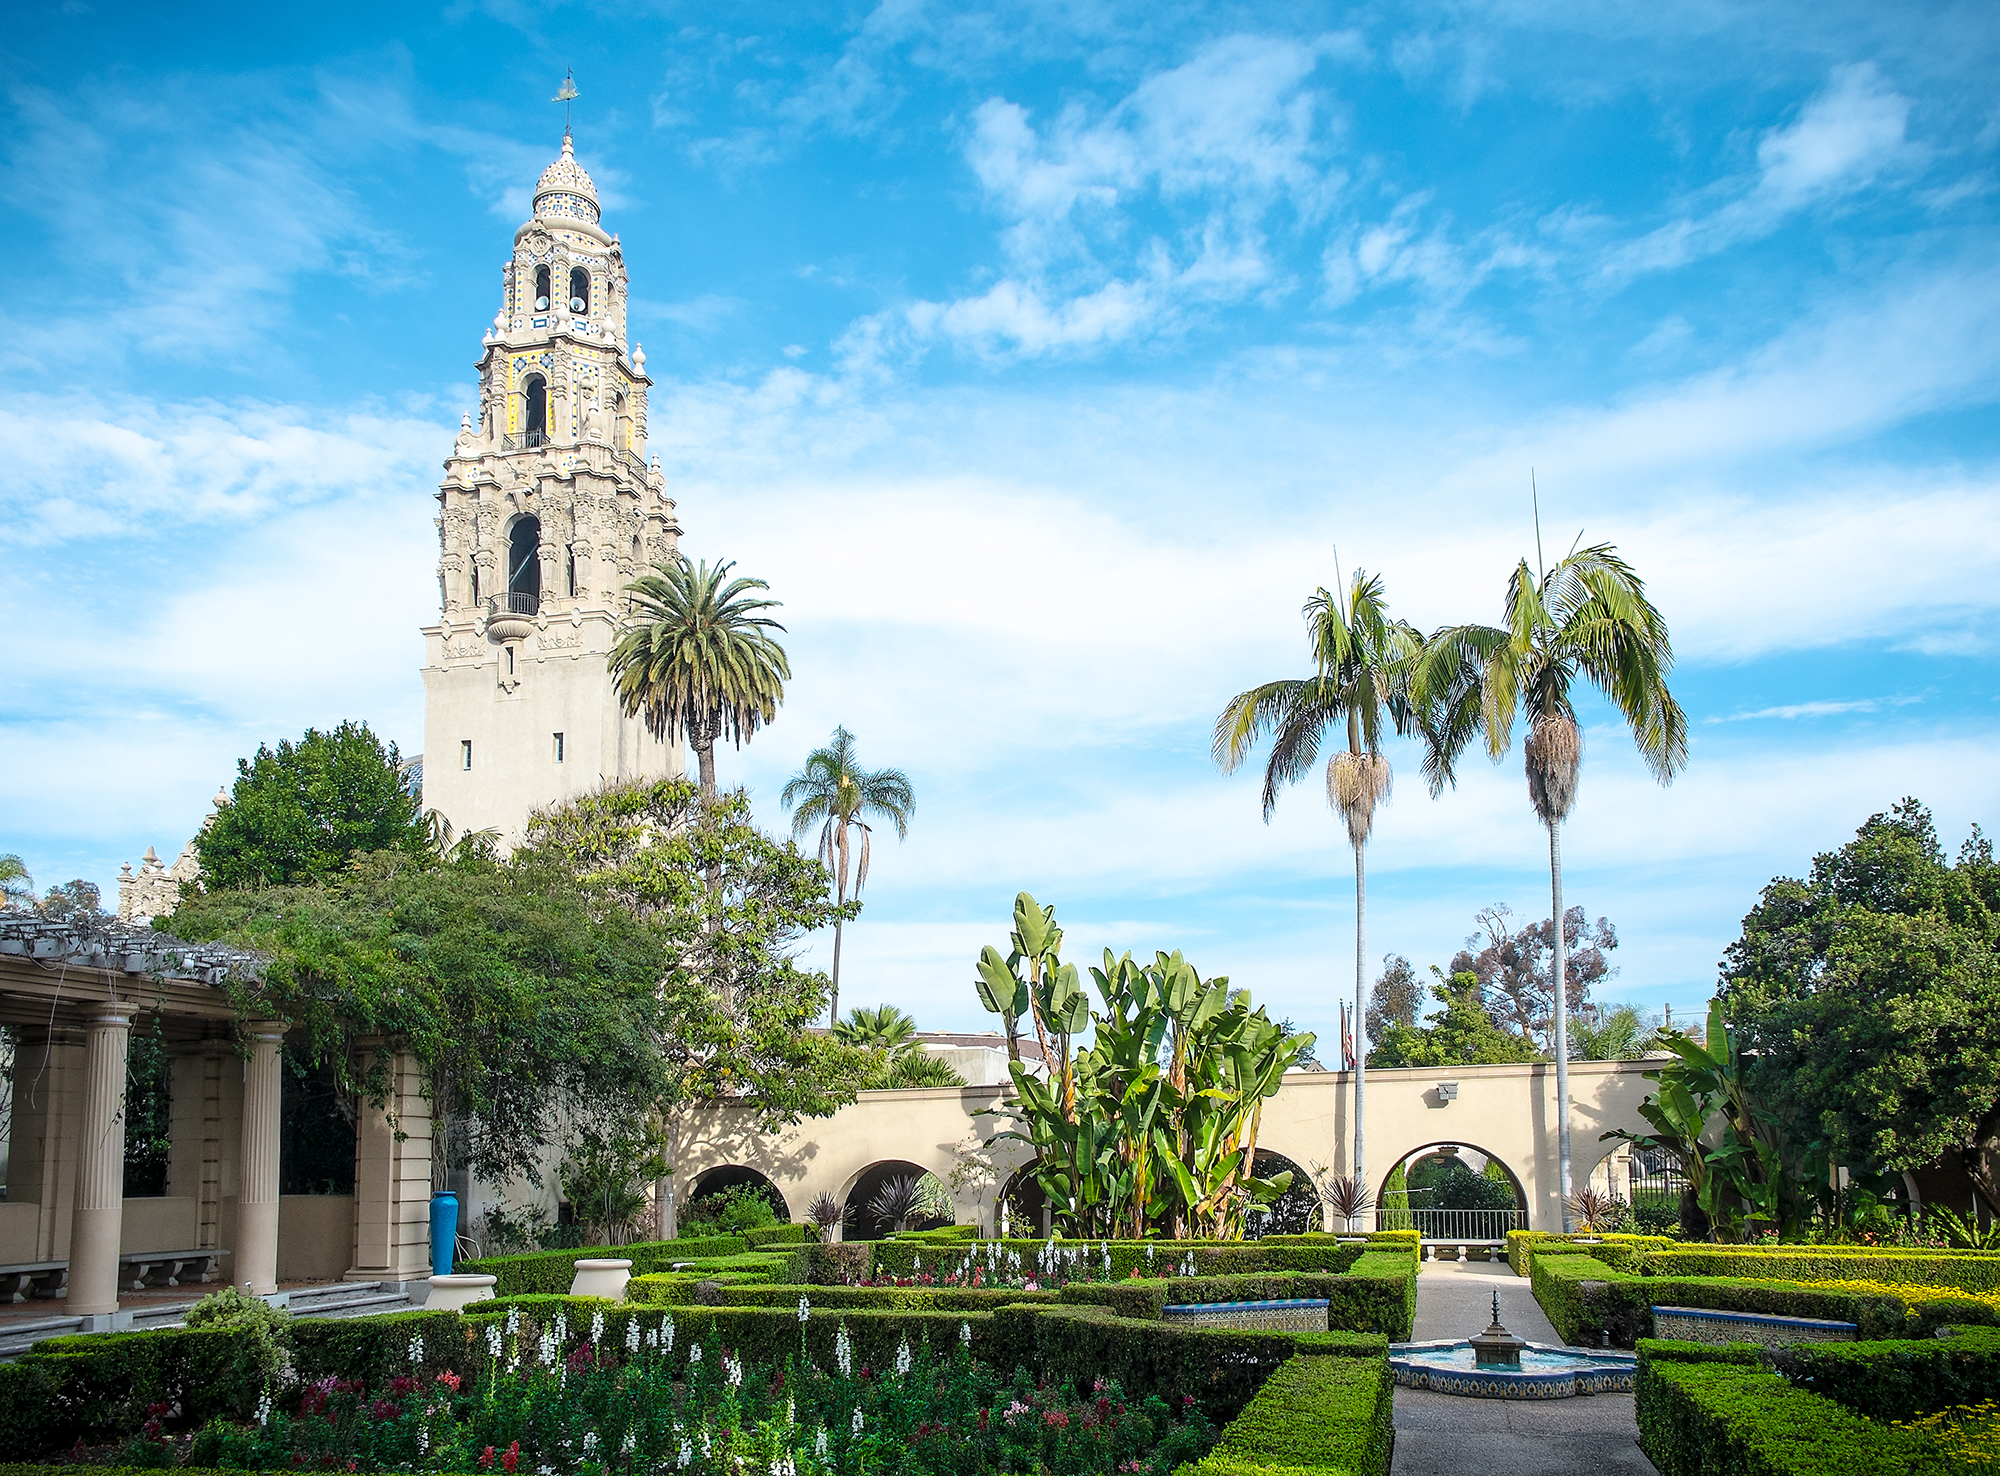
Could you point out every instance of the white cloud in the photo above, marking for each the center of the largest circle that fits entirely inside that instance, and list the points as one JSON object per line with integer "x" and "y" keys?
{"x": 1845, "y": 138}
{"x": 1823, "y": 708}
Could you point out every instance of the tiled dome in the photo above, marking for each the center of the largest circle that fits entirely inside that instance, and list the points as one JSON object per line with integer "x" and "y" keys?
{"x": 565, "y": 191}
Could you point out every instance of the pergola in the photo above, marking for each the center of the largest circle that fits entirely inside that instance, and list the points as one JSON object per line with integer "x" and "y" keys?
{"x": 71, "y": 990}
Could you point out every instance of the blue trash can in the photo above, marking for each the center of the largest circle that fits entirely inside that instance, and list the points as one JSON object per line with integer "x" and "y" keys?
{"x": 444, "y": 1231}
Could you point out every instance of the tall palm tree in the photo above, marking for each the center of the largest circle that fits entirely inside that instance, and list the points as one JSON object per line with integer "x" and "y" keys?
{"x": 1362, "y": 661}
{"x": 835, "y": 793}
{"x": 1586, "y": 619}
{"x": 697, "y": 658}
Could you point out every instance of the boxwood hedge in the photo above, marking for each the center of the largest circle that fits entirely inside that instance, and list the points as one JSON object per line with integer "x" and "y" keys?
{"x": 1331, "y": 1416}
{"x": 1696, "y": 1418}
{"x": 1961, "y": 1272}
{"x": 1584, "y": 1298}
{"x": 552, "y": 1271}
{"x": 1897, "y": 1380}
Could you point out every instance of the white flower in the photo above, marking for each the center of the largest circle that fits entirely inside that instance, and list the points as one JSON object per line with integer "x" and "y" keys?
{"x": 903, "y": 1356}
{"x": 965, "y": 1333}
{"x": 596, "y": 1327}
{"x": 423, "y": 1438}
{"x": 805, "y": 1307}
{"x": 819, "y": 1443}
{"x": 843, "y": 1352}
{"x": 916, "y": 1264}
{"x": 562, "y": 1328}
{"x": 694, "y": 1353}
{"x": 632, "y": 1331}
{"x": 1149, "y": 1253}
{"x": 791, "y": 1414}
{"x": 513, "y": 1321}
{"x": 630, "y": 1443}
{"x": 264, "y": 1408}
{"x": 857, "y": 1419}
{"x": 686, "y": 1452}
{"x": 589, "y": 1443}
{"x": 667, "y": 1331}
{"x": 417, "y": 1348}
{"x": 492, "y": 1340}
{"x": 732, "y": 1370}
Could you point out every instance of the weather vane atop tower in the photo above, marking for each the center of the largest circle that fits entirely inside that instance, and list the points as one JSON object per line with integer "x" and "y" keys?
{"x": 564, "y": 95}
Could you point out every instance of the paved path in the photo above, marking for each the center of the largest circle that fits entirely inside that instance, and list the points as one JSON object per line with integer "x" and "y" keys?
{"x": 1446, "y": 1435}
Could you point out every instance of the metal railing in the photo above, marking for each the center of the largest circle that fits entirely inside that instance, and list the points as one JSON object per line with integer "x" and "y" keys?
{"x": 515, "y": 602}
{"x": 526, "y": 441}
{"x": 1444, "y": 1224}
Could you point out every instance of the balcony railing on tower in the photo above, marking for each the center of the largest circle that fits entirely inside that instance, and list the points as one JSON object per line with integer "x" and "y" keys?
{"x": 515, "y": 602}
{"x": 526, "y": 441}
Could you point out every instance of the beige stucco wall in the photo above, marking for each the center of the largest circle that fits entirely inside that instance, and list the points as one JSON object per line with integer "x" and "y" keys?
{"x": 1505, "y": 1112}
{"x": 315, "y": 1236}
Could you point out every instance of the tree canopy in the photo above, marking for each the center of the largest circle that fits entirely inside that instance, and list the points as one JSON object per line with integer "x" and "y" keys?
{"x": 526, "y": 1002}
{"x": 729, "y": 904}
{"x": 1463, "y": 1034}
{"x": 1866, "y": 995}
{"x": 302, "y": 811}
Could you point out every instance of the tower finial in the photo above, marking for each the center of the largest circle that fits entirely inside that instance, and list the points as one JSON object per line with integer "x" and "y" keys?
{"x": 563, "y": 95}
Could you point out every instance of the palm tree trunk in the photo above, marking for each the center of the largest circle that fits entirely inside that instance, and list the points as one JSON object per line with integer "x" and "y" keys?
{"x": 704, "y": 754}
{"x": 833, "y": 1014}
{"x": 1561, "y": 991}
{"x": 1360, "y": 1041}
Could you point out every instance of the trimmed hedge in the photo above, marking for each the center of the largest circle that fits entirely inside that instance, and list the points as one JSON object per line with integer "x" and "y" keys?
{"x": 800, "y": 1234}
{"x": 901, "y": 1256}
{"x": 1328, "y": 1415}
{"x": 1674, "y": 1350}
{"x": 1897, "y": 1380}
{"x": 97, "y": 1386}
{"x": 1620, "y": 1251}
{"x": 551, "y": 1272}
{"x": 1583, "y": 1297}
{"x": 1962, "y": 1272}
{"x": 1701, "y": 1418}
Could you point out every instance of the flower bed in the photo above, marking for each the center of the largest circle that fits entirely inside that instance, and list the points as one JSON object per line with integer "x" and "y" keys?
{"x": 639, "y": 1405}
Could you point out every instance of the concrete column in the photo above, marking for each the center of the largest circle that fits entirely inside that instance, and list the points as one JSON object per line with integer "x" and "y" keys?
{"x": 392, "y": 1175}
{"x": 100, "y": 1169}
{"x": 48, "y": 1076}
{"x": 256, "y": 1269}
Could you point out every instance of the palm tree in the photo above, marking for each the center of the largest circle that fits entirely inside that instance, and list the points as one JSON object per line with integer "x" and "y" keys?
{"x": 1363, "y": 660}
{"x": 835, "y": 793}
{"x": 696, "y": 658}
{"x": 884, "y": 1028}
{"x": 1586, "y": 619}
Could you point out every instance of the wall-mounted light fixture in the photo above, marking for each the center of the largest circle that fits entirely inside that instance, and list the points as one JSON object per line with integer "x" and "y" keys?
{"x": 1447, "y": 1091}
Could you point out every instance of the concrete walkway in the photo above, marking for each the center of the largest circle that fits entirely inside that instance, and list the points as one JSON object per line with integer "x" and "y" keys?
{"x": 1446, "y": 1435}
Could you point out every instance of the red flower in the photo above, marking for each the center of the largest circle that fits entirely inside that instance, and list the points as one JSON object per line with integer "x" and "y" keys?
{"x": 486, "y": 1459}
{"x": 401, "y": 1385}
{"x": 449, "y": 1379}
{"x": 512, "y": 1457}
{"x": 1056, "y": 1418}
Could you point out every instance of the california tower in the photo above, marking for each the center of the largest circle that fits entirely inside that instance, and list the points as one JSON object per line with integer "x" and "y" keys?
{"x": 547, "y": 510}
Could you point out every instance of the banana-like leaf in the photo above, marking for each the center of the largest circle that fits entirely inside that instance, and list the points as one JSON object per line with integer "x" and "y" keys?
{"x": 999, "y": 989}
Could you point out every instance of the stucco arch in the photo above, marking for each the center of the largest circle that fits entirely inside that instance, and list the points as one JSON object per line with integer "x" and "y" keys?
{"x": 867, "y": 1182}
{"x": 1424, "y": 1150}
{"x": 729, "y": 1175}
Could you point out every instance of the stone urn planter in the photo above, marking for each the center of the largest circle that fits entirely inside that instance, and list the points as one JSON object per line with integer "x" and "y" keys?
{"x": 449, "y": 1293}
{"x": 601, "y": 1279}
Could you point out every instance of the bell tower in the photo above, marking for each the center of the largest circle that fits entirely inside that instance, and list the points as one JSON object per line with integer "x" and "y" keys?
{"x": 547, "y": 510}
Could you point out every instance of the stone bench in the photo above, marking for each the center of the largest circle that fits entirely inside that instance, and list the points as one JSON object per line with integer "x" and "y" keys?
{"x": 1701, "y": 1325}
{"x": 33, "y": 1279}
{"x": 138, "y": 1270}
{"x": 1434, "y": 1250}
{"x": 1291, "y": 1314}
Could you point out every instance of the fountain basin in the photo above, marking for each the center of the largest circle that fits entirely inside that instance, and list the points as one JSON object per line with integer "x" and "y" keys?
{"x": 1546, "y": 1371}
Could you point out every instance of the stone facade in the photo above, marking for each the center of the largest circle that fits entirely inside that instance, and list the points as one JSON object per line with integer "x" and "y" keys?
{"x": 155, "y": 888}
{"x": 548, "y": 509}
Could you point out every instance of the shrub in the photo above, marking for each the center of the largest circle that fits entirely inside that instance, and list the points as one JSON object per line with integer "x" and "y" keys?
{"x": 1616, "y": 1250}
{"x": 1329, "y": 1414}
{"x": 1697, "y": 1418}
{"x": 780, "y": 1235}
{"x": 551, "y": 1271}
{"x": 1962, "y": 1271}
{"x": 1085, "y": 1258}
{"x": 100, "y": 1385}
{"x": 1897, "y": 1380}
{"x": 374, "y": 1349}
{"x": 1583, "y": 1297}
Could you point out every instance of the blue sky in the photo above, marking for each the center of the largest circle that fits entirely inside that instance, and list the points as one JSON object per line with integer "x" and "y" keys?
{"x": 1042, "y": 357}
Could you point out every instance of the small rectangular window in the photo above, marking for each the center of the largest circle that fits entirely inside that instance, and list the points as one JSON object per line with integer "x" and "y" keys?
{"x": 559, "y": 748}
{"x": 510, "y": 672}
{"x": 465, "y": 753}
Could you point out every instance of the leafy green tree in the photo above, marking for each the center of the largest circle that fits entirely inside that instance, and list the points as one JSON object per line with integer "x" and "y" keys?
{"x": 301, "y": 812}
{"x": 17, "y": 887}
{"x": 835, "y": 793}
{"x": 1620, "y": 1033}
{"x": 697, "y": 659}
{"x": 1362, "y": 661}
{"x": 1867, "y": 994}
{"x": 1587, "y": 619}
{"x": 1463, "y": 1034}
{"x": 1516, "y": 967}
{"x": 730, "y": 905}
{"x": 1397, "y": 999}
{"x": 1393, "y": 1213}
{"x": 526, "y": 1002}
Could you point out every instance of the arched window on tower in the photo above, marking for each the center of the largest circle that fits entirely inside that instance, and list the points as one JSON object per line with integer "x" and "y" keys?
{"x": 536, "y": 393}
{"x": 579, "y": 290}
{"x": 541, "y": 289}
{"x": 621, "y": 423}
{"x": 524, "y": 567}
{"x": 572, "y": 573}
